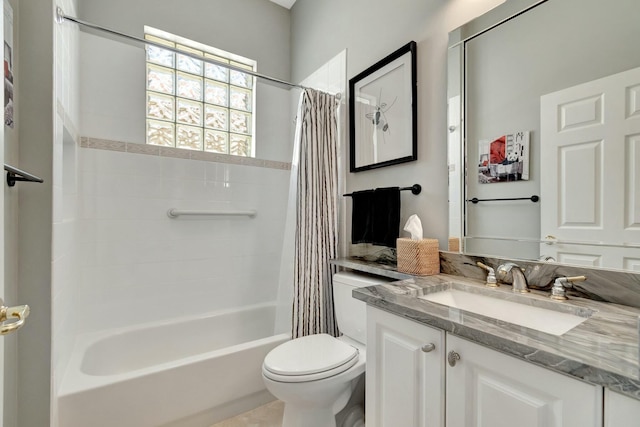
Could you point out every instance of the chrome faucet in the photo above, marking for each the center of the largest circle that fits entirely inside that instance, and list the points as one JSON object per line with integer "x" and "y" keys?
{"x": 558, "y": 291}
{"x": 491, "y": 275}
{"x": 511, "y": 273}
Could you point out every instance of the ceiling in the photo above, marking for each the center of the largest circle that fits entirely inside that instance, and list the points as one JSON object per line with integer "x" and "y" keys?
{"x": 284, "y": 3}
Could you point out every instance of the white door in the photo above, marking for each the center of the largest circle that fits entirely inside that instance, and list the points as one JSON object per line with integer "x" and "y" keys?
{"x": 590, "y": 160}
{"x": 488, "y": 388}
{"x": 405, "y": 372}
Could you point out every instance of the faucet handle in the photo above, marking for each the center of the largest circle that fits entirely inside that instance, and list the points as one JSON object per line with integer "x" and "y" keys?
{"x": 558, "y": 291}
{"x": 492, "y": 282}
{"x": 574, "y": 279}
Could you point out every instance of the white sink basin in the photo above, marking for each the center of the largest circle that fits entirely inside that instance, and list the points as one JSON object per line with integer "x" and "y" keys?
{"x": 544, "y": 316}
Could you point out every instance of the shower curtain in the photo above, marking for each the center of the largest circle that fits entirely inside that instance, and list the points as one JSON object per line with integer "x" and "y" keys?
{"x": 316, "y": 238}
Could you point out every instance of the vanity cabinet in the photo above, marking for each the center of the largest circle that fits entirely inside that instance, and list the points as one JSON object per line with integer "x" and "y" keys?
{"x": 620, "y": 410}
{"x": 407, "y": 363}
{"x": 488, "y": 388}
{"x": 405, "y": 372}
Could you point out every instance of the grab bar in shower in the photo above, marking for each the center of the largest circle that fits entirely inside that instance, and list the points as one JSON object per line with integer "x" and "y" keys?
{"x": 175, "y": 213}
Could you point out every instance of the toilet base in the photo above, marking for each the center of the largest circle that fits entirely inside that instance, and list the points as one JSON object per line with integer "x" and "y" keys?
{"x": 308, "y": 417}
{"x": 320, "y": 412}
{"x": 351, "y": 417}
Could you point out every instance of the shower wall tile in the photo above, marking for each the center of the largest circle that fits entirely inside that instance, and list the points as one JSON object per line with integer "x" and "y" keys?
{"x": 137, "y": 261}
{"x": 111, "y": 163}
{"x": 182, "y": 169}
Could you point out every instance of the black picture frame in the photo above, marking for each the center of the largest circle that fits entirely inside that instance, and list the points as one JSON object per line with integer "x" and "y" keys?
{"x": 383, "y": 111}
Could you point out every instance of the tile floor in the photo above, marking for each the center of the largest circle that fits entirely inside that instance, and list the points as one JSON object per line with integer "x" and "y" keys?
{"x": 269, "y": 415}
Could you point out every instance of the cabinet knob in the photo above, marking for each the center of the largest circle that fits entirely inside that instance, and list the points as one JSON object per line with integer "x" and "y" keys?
{"x": 428, "y": 347}
{"x": 453, "y": 358}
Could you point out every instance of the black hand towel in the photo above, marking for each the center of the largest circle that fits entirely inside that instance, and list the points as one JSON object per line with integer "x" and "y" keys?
{"x": 386, "y": 216}
{"x": 361, "y": 216}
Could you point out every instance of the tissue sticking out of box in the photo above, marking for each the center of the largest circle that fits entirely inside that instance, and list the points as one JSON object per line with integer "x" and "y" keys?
{"x": 414, "y": 227}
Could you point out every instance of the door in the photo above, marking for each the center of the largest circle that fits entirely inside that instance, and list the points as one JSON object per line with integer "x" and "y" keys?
{"x": 590, "y": 159}
{"x": 405, "y": 372}
{"x": 488, "y": 388}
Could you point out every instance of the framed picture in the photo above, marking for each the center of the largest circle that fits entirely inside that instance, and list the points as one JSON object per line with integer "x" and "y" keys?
{"x": 382, "y": 112}
{"x": 504, "y": 159}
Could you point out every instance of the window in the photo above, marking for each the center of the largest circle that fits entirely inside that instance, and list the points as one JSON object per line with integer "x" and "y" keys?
{"x": 196, "y": 105}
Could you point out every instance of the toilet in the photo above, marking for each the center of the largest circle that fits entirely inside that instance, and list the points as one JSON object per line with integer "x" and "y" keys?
{"x": 317, "y": 375}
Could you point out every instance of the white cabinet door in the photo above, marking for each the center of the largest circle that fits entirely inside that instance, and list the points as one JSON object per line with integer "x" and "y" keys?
{"x": 488, "y": 388}
{"x": 620, "y": 410}
{"x": 405, "y": 372}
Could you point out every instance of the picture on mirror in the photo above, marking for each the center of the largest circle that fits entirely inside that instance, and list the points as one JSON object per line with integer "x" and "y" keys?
{"x": 504, "y": 159}
{"x": 382, "y": 112}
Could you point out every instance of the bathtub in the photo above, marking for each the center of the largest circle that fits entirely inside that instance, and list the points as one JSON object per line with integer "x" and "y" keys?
{"x": 185, "y": 372}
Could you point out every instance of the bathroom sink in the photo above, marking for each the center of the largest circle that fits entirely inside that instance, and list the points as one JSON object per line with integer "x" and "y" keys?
{"x": 555, "y": 318}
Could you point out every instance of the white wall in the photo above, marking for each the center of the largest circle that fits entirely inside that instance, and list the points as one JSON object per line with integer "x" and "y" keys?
{"x": 370, "y": 30}
{"x": 113, "y": 73}
{"x": 138, "y": 265}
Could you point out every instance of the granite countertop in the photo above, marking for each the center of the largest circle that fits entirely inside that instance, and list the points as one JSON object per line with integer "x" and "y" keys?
{"x": 602, "y": 350}
{"x": 373, "y": 267}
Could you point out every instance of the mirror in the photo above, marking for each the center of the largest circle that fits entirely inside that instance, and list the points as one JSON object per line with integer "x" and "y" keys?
{"x": 565, "y": 73}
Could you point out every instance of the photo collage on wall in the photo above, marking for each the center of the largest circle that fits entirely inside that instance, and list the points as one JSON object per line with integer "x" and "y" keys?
{"x": 504, "y": 159}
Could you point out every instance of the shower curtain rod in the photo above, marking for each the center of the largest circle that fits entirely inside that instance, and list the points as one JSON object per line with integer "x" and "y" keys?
{"x": 61, "y": 17}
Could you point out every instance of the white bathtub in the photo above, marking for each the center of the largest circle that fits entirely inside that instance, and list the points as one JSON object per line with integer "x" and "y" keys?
{"x": 185, "y": 372}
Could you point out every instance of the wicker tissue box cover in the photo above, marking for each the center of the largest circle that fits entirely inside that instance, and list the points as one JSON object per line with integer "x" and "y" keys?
{"x": 419, "y": 257}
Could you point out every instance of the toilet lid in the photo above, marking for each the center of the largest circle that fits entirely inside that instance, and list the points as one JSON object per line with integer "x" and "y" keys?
{"x": 310, "y": 355}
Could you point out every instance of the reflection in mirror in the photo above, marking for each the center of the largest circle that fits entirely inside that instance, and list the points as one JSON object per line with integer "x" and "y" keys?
{"x": 566, "y": 73}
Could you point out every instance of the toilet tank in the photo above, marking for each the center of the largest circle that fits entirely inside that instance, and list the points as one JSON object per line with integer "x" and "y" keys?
{"x": 351, "y": 313}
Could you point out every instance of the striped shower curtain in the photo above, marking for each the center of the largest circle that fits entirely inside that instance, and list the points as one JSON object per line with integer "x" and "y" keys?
{"x": 316, "y": 240}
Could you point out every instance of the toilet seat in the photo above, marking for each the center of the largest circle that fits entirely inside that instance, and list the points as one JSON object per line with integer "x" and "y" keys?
{"x": 309, "y": 358}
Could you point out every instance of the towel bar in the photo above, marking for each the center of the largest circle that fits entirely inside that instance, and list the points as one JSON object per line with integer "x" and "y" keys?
{"x": 475, "y": 200}
{"x": 14, "y": 175}
{"x": 415, "y": 189}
